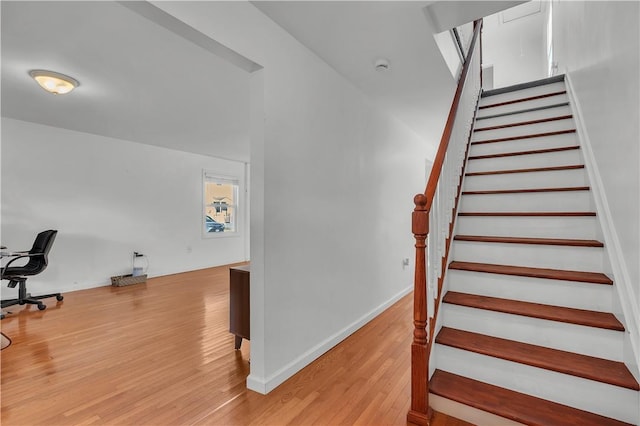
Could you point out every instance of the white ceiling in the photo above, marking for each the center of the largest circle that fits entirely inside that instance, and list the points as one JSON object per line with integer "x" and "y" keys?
{"x": 149, "y": 78}
{"x": 138, "y": 80}
{"x": 351, "y": 35}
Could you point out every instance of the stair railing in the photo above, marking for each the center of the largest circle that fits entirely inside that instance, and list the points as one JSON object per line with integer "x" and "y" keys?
{"x": 432, "y": 225}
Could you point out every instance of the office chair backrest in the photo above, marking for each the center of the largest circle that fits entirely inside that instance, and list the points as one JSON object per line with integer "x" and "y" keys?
{"x": 41, "y": 247}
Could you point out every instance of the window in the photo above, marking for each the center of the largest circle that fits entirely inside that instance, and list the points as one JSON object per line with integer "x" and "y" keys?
{"x": 220, "y": 202}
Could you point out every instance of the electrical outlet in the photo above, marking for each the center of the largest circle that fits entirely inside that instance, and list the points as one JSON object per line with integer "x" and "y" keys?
{"x": 405, "y": 262}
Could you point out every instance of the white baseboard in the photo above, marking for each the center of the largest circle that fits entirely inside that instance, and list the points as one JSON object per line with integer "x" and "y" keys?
{"x": 264, "y": 386}
{"x": 622, "y": 280}
{"x": 256, "y": 384}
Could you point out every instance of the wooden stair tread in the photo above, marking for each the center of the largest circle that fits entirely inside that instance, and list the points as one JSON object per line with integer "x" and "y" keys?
{"x": 588, "y": 367}
{"x": 584, "y": 317}
{"x": 531, "y": 136}
{"x": 525, "y": 191}
{"x": 525, "y": 271}
{"x": 528, "y": 214}
{"x": 527, "y": 240}
{"x": 525, "y": 123}
{"x": 532, "y": 152}
{"x": 512, "y": 405}
{"x": 529, "y": 170}
{"x": 529, "y": 98}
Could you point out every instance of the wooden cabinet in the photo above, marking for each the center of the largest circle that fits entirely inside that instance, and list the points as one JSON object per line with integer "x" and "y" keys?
{"x": 239, "y": 303}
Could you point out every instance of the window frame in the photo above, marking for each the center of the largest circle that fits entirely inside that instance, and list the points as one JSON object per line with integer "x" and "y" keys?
{"x": 210, "y": 176}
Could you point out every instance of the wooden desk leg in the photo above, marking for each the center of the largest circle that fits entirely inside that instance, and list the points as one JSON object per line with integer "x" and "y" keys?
{"x": 238, "y": 342}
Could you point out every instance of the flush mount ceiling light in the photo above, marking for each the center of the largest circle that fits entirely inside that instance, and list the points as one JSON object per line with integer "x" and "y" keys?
{"x": 54, "y": 82}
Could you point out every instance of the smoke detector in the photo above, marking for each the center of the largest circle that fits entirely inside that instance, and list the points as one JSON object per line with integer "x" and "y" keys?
{"x": 382, "y": 64}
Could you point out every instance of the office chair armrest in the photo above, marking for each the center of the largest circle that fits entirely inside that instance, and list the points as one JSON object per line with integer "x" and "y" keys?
{"x": 14, "y": 253}
{"x": 17, "y": 255}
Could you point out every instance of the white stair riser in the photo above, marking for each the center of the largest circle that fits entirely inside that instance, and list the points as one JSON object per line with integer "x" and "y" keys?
{"x": 527, "y": 180}
{"x": 519, "y": 106}
{"x": 524, "y": 93}
{"x": 531, "y": 201}
{"x": 530, "y": 129}
{"x": 550, "y": 159}
{"x": 519, "y": 145}
{"x": 541, "y": 227}
{"x": 467, "y": 413}
{"x": 570, "y": 294}
{"x": 600, "y": 398}
{"x": 580, "y": 339}
{"x": 588, "y": 259}
{"x": 524, "y": 116}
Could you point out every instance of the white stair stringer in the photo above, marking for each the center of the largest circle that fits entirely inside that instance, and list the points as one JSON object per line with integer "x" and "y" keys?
{"x": 617, "y": 264}
{"x": 588, "y": 395}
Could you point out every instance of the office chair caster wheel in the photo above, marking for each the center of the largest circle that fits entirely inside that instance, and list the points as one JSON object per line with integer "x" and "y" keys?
{"x": 42, "y": 306}
{"x": 59, "y": 298}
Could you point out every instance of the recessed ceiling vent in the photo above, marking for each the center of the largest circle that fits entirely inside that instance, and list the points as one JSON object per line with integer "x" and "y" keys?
{"x": 382, "y": 64}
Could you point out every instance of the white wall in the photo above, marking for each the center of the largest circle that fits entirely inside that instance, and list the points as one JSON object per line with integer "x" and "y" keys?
{"x": 107, "y": 198}
{"x": 516, "y": 48}
{"x": 338, "y": 178}
{"x": 597, "y": 44}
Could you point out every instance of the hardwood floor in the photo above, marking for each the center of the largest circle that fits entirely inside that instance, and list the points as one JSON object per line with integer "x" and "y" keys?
{"x": 160, "y": 354}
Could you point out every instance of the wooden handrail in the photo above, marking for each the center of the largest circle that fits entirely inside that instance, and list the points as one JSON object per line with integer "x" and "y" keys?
{"x": 436, "y": 169}
{"x": 420, "y": 412}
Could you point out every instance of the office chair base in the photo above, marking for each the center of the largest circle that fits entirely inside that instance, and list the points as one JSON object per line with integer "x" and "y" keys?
{"x": 26, "y": 298}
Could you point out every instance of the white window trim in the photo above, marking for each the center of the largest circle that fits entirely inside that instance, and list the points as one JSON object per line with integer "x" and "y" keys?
{"x": 232, "y": 179}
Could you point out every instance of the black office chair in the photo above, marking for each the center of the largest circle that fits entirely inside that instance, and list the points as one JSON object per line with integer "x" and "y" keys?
{"x": 17, "y": 275}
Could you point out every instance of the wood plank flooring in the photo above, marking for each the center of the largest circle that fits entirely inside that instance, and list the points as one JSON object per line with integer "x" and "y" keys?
{"x": 160, "y": 354}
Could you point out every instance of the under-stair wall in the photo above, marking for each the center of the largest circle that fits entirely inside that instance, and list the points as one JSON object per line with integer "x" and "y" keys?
{"x": 527, "y": 330}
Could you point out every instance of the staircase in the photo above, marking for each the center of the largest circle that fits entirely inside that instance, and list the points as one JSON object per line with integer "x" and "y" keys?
{"x": 526, "y": 330}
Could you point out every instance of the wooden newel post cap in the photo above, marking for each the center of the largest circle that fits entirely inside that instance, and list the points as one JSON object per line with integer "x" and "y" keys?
{"x": 420, "y": 201}
{"x": 420, "y": 217}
